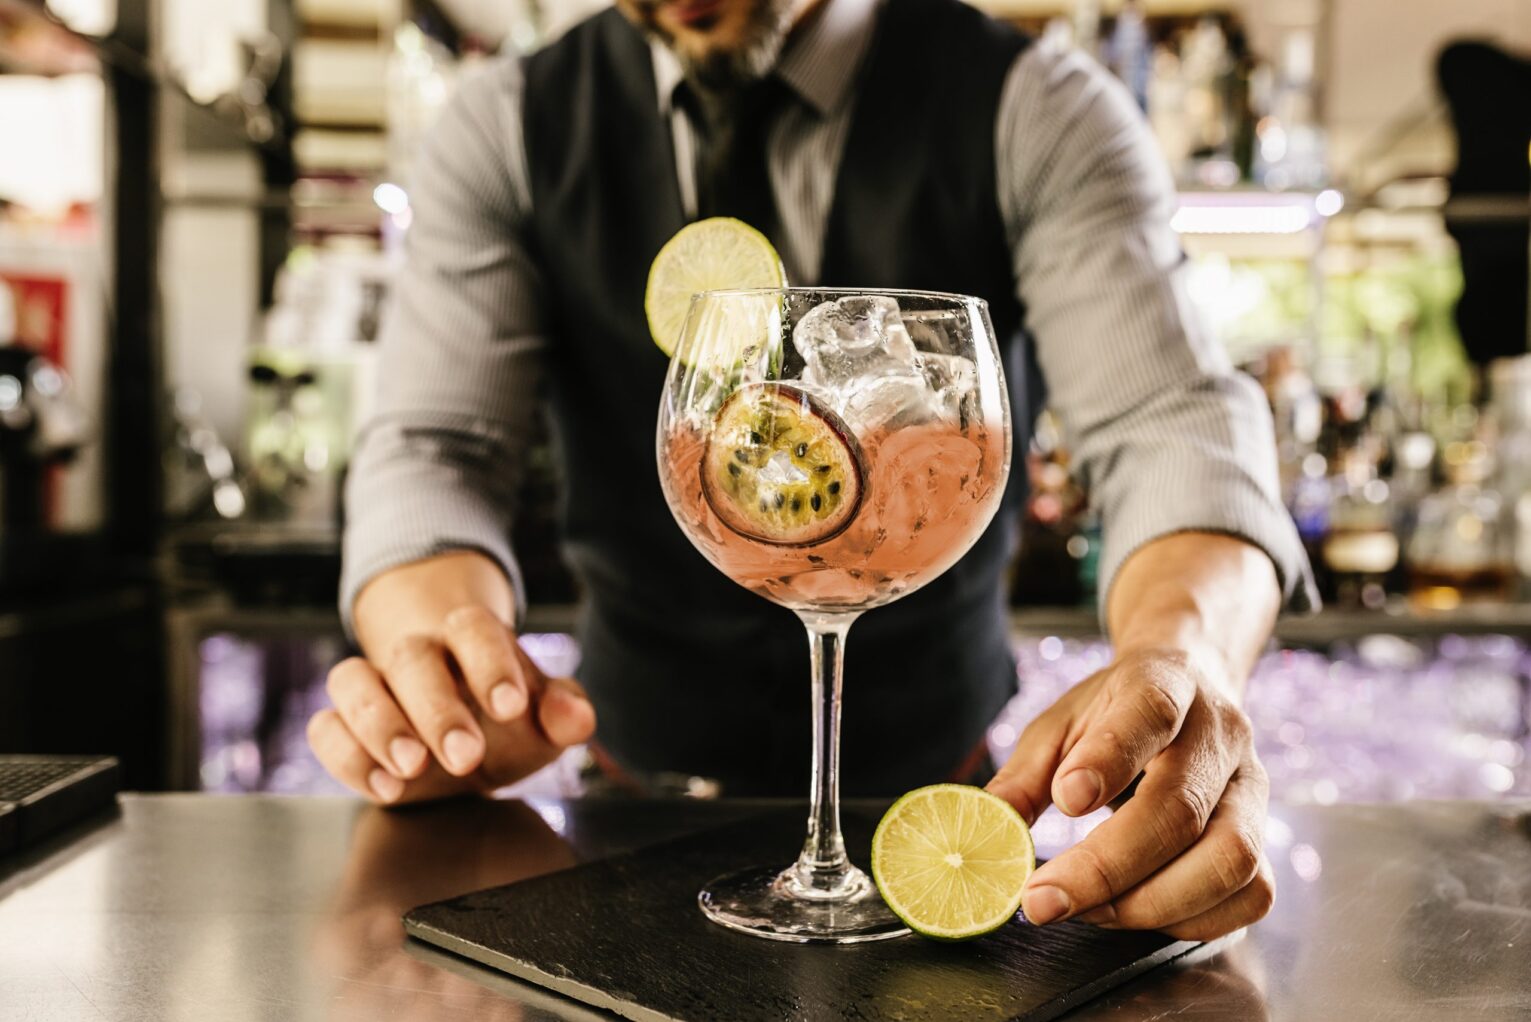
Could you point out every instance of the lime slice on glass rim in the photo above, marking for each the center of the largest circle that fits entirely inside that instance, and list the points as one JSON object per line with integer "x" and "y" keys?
{"x": 716, "y": 254}
{"x": 952, "y": 860}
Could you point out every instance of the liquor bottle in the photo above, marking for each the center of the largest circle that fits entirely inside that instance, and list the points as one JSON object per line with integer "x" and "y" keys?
{"x": 1206, "y": 62}
{"x": 1411, "y": 480}
{"x": 1460, "y": 551}
{"x": 1310, "y": 501}
{"x": 1239, "y": 103}
{"x": 1291, "y": 150}
{"x": 1297, "y": 409}
{"x": 1361, "y": 548}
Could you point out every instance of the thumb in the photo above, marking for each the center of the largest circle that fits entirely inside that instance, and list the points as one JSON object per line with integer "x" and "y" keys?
{"x": 565, "y": 712}
{"x": 1025, "y": 781}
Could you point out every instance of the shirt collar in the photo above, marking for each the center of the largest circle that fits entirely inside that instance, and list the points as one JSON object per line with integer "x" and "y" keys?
{"x": 667, "y": 75}
{"x": 819, "y": 63}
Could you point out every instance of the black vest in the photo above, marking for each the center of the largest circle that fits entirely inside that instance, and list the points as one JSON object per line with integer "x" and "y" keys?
{"x": 689, "y": 671}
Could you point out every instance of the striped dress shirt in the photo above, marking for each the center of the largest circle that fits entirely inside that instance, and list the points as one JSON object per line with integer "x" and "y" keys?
{"x": 1166, "y": 435}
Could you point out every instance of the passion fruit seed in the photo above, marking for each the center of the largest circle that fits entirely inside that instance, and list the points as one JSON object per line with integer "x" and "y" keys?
{"x": 781, "y": 468}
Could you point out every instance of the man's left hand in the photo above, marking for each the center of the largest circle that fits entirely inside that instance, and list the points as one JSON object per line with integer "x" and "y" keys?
{"x": 1183, "y": 853}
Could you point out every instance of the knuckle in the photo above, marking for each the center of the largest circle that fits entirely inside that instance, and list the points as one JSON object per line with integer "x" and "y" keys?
{"x": 330, "y": 739}
{"x": 318, "y": 725}
{"x": 1236, "y": 726}
{"x": 1158, "y": 706}
{"x": 372, "y": 714}
{"x": 1114, "y": 748}
{"x": 1143, "y": 909}
{"x": 411, "y": 649}
{"x": 1113, "y": 745}
{"x": 1236, "y": 860}
{"x": 472, "y": 620}
{"x": 1100, "y": 874}
{"x": 344, "y": 675}
{"x": 1182, "y": 816}
{"x": 482, "y": 660}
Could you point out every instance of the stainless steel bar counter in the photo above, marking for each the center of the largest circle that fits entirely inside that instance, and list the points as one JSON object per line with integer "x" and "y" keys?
{"x": 190, "y": 907}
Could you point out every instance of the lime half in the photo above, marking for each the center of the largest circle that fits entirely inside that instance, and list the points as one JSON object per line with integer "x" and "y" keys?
{"x": 717, "y": 254}
{"x": 951, "y": 860}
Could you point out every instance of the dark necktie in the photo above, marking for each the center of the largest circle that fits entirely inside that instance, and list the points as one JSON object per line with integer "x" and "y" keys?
{"x": 733, "y": 176}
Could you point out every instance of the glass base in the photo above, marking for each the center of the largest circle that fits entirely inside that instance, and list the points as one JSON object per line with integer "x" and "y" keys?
{"x": 765, "y": 902}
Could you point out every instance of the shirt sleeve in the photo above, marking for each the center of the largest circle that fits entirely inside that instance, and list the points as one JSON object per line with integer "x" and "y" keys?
{"x": 436, "y": 467}
{"x": 1165, "y": 434}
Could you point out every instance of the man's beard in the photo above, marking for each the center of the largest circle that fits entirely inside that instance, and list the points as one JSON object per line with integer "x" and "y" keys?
{"x": 726, "y": 70}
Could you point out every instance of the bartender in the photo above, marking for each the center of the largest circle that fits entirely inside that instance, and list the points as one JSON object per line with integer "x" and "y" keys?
{"x": 878, "y": 143}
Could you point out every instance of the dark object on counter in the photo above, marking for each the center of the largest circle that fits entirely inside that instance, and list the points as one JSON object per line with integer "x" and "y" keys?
{"x": 626, "y": 935}
{"x": 1489, "y": 93}
{"x": 41, "y": 795}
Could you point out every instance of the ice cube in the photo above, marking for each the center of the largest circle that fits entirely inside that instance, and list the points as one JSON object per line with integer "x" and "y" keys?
{"x": 944, "y": 389}
{"x": 937, "y": 330}
{"x": 854, "y": 337}
{"x": 858, "y": 354}
{"x": 953, "y": 383}
{"x": 949, "y": 373}
{"x": 891, "y": 401}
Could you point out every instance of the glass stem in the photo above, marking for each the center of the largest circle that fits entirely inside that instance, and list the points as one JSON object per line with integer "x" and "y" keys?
{"x": 823, "y": 871}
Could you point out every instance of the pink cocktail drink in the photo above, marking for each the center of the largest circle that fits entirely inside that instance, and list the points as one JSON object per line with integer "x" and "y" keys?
{"x": 930, "y": 491}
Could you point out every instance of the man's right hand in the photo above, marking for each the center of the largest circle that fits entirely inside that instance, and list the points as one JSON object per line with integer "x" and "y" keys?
{"x": 446, "y": 701}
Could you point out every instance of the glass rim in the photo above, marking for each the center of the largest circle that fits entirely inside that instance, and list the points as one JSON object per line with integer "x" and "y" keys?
{"x": 843, "y": 292}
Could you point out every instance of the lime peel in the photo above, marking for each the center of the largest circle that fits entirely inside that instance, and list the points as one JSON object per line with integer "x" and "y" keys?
{"x": 952, "y": 860}
{"x": 716, "y": 254}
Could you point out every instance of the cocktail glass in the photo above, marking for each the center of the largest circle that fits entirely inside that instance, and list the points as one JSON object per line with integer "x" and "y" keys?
{"x": 832, "y": 451}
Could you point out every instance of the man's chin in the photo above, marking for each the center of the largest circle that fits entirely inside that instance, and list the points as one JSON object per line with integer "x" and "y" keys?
{"x": 702, "y": 43}
{"x": 706, "y": 62}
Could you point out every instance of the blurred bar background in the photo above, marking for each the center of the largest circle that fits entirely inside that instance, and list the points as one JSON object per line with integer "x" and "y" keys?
{"x": 202, "y": 206}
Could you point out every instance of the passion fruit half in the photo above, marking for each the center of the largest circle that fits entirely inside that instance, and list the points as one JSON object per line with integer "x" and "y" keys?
{"x": 781, "y": 467}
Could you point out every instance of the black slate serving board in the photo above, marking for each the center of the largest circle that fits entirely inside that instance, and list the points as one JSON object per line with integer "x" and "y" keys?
{"x": 626, "y": 935}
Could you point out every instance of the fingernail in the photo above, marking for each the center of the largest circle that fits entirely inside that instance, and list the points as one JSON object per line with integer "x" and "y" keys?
{"x": 408, "y": 754}
{"x": 386, "y": 786}
{"x": 461, "y": 750}
{"x": 507, "y": 700}
{"x": 1044, "y": 904}
{"x": 1078, "y": 791}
